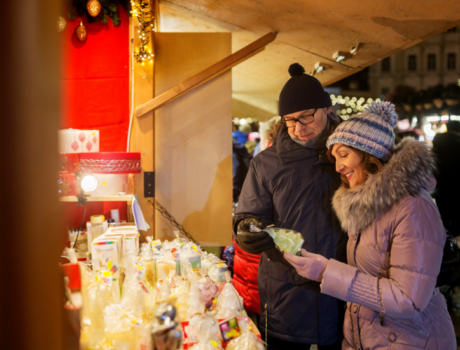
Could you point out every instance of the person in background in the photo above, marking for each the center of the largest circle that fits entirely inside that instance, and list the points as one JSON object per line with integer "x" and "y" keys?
{"x": 446, "y": 147}
{"x": 290, "y": 185}
{"x": 240, "y": 164}
{"x": 253, "y": 140}
{"x": 396, "y": 239}
{"x": 268, "y": 133}
{"x": 245, "y": 265}
{"x": 241, "y": 135}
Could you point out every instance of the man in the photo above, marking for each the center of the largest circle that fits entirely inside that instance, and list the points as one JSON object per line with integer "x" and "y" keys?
{"x": 446, "y": 147}
{"x": 291, "y": 185}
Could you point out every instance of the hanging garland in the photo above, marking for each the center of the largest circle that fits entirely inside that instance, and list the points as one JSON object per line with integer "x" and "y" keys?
{"x": 144, "y": 14}
{"x": 97, "y": 10}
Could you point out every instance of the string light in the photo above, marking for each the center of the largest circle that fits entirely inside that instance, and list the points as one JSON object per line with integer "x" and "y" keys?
{"x": 144, "y": 15}
{"x": 349, "y": 107}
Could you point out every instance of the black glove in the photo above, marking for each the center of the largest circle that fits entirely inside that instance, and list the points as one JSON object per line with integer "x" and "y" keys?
{"x": 253, "y": 242}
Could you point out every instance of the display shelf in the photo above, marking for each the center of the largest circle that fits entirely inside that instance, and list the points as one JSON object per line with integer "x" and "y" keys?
{"x": 127, "y": 198}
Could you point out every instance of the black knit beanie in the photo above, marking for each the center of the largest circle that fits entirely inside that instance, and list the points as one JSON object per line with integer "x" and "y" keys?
{"x": 302, "y": 92}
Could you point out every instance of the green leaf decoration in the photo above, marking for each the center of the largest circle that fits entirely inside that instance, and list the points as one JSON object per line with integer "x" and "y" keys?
{"x": 77, "y": 8}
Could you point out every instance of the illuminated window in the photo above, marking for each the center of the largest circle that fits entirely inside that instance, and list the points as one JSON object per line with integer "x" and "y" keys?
{"x": 451, "y": 60}
{"x": 431, "y": 62}
{"x": 386, "y": 64}
{"x": 412, "y": 63}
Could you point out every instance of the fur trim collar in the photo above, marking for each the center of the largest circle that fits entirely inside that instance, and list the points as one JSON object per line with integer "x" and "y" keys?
{"x": 409, "y": 169}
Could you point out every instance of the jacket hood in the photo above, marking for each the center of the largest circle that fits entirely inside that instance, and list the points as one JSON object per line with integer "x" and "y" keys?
{"x": 409, "y": 170}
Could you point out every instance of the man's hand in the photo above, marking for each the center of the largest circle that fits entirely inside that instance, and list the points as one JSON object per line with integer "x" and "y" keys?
{"x": 253, "y": 242}
{"x": 309, "y": 265}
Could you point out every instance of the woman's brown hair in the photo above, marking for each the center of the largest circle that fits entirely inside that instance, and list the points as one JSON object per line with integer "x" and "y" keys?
{"x": 372, "y": 165}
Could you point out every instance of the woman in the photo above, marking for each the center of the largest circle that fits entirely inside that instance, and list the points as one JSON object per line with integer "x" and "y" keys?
{"x": 396, "y": 239}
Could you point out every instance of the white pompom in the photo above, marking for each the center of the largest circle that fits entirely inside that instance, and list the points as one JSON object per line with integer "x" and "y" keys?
{"x": 386, "y": 110}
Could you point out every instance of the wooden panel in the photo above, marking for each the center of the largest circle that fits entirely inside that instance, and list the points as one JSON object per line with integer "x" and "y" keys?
{"x": 207, "y": 74}
{"x": 31, "y": 292}
{"x": 193, "y": 139}
{"x": 143, "y": 129}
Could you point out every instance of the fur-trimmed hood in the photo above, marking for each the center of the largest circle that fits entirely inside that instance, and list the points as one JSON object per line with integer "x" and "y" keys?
{"x": 409, "y": 170}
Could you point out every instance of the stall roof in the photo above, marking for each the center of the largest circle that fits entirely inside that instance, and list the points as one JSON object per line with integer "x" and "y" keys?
{"x": 311, "y": 31}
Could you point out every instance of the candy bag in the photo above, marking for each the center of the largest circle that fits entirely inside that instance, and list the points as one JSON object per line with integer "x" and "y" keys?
{"x": 120, "y": 331}
{"x": 219, "y": 273}
{"x": 246, "y": 341}
{"x": 209, "y": 291}
{"x": 135, "y": 292}
{"x": 287, "y": 241}
{"x": 195, "y": 302}
{"x": 205, "y": 329}
{"x": 96, "y": 295}
{"x": 229, "y": 303}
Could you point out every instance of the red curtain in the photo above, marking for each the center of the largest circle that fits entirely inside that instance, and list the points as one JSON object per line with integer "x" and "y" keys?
{"x": 95, "y": 93}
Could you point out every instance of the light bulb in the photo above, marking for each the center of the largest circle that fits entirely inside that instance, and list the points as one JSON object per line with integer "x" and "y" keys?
{"x": 89, "y": 183}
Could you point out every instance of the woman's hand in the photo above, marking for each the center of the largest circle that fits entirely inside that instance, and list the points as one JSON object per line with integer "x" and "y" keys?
{"x": 308, "y": 265}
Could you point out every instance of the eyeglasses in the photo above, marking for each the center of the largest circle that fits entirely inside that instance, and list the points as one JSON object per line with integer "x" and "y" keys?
{"x": 304, "y": 120}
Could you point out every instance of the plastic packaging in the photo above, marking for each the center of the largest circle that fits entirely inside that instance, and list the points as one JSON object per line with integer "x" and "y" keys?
{"x": 164, "y": 266}
{"x": 229, "y": 303}
{"x": 195, "y": 302}
{"x": 120, "y": 332}
{"x": 148, "y": 260}
{"x": 246, "y": 341}
{"x": 106, "y": 263}
{"x": 205, "y": 330}
{"x": 134, "y": 289}
{"x": 162, "y": 292}
{"x": 287, "y": 241}
{"x": 209, "y": 291}
{"x": 220, "y": 274}
{"x": 69, "y": 253}
{"x": 96, "y": 295}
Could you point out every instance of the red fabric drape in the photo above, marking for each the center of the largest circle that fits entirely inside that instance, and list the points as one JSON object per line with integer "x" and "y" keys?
{"x": 95, "y": 93}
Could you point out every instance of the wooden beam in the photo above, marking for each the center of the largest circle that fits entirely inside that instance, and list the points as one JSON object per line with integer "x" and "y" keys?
{"x": 143, "y": 130}
{"x": 207, "y": 74}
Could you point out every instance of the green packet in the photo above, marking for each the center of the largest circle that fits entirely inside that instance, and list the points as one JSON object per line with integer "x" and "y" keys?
{"x": 287, "y": 241}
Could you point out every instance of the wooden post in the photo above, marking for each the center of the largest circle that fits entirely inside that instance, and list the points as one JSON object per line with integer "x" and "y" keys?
{"x": 143, "y": 129}
{"x": 31, "y": 293}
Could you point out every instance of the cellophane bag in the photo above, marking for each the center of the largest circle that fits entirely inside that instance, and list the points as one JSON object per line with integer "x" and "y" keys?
{"x": 96, "y": 295}
{"x": 148, "y": 259}
{"x": 205, "y": 329}
{"x": 135, "y": 292}
{"x": 246, "y": 341}
{"x": 209, "y": 291}
{"x": 195, "y": 302}
{"x": 69, "y": 253}
{"x": 220, "y": 274}
{"x": 229, "y": 303}
{"x": 120, "y": 330}
{"x": 287, "y": 241}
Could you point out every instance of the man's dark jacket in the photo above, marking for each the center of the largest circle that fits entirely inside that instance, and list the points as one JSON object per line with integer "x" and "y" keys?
{"x": 291, "y": 187}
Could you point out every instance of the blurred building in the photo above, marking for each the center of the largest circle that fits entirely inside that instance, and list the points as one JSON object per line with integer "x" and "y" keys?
{"x": 427, "y": 64}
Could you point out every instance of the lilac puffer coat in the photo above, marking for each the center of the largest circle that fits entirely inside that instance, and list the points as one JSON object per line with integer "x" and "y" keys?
{"x": 394, "y": 255}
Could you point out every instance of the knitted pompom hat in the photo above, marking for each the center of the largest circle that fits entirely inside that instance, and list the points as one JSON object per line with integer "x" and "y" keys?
{"x": 370, "y": 131}
{"x": 302, "y": 92}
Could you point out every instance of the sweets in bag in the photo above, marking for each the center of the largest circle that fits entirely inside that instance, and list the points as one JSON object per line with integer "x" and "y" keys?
{"x": 288, "y": 241}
